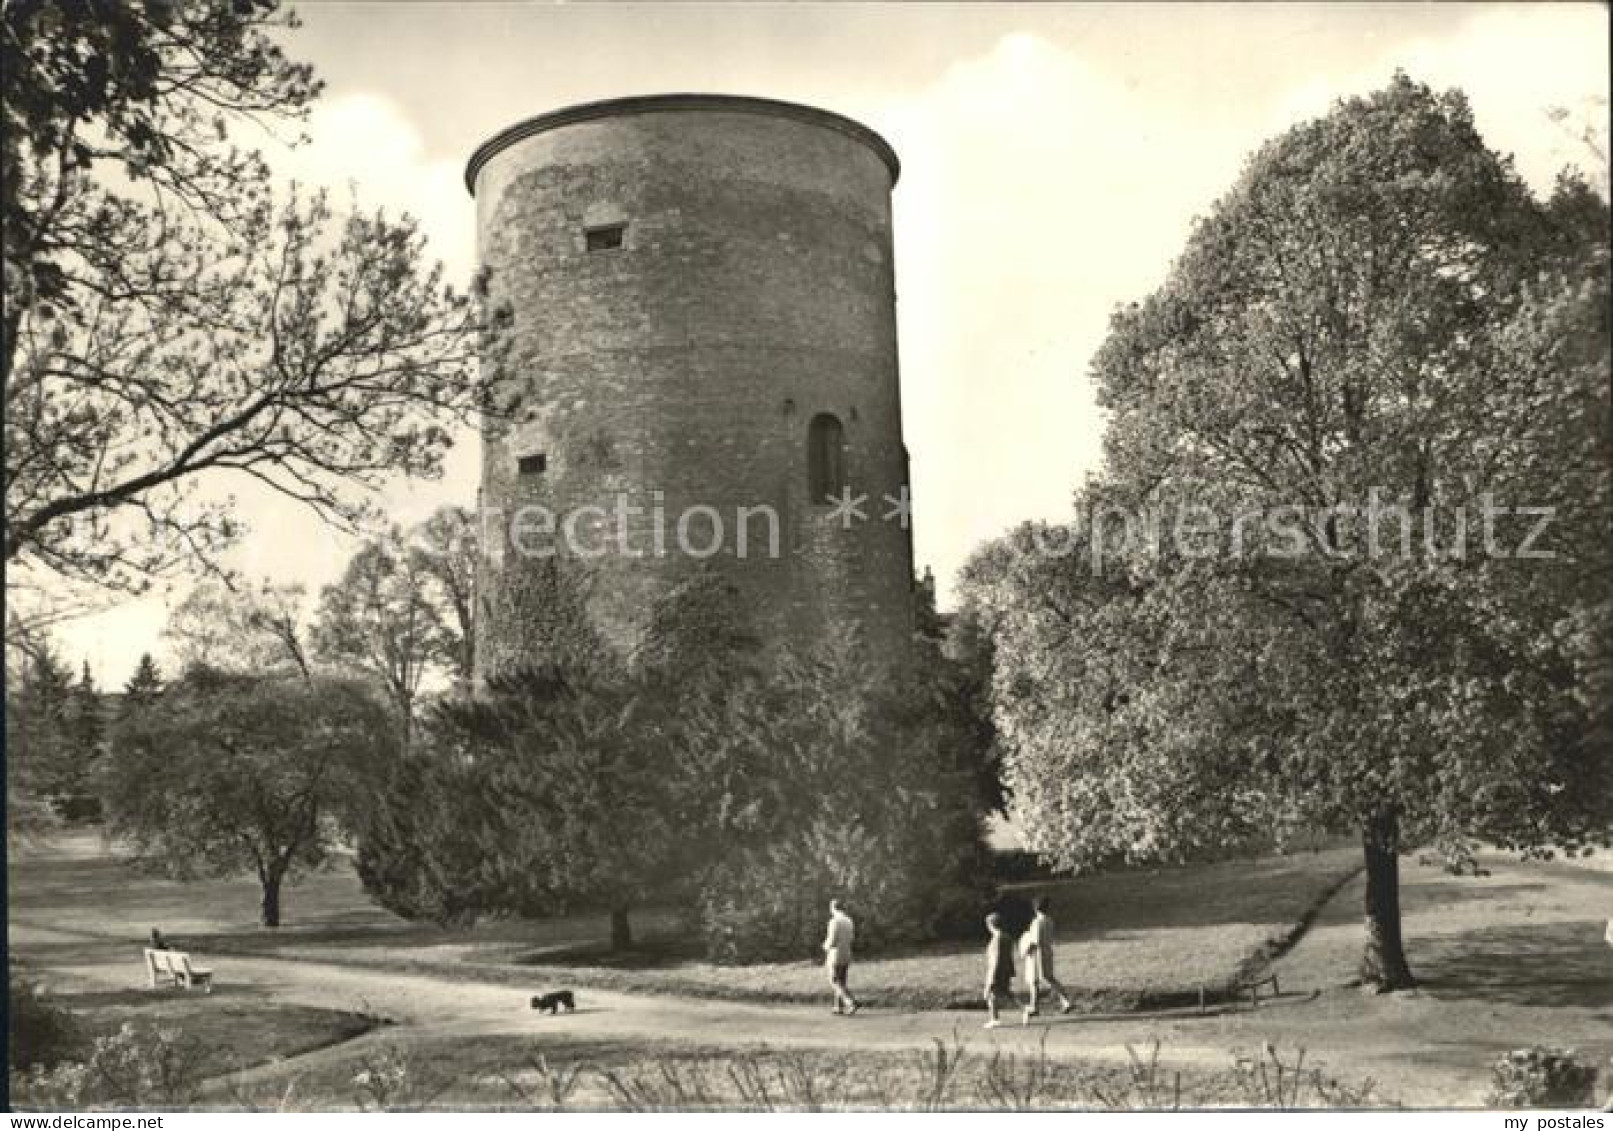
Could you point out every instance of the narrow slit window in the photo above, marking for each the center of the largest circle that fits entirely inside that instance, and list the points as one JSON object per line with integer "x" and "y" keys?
{"x": 826, "y": 458}
{"x": 606, "y": 237}
{"x": 535, "y": 464}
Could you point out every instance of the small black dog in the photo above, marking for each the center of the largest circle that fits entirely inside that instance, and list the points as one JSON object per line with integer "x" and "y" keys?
{"x": 552, "y": 1002}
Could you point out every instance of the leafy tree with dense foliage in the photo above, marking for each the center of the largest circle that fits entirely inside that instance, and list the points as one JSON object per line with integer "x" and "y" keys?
{"x": 171, "y": 316}
{"x": 591, "y": 791}
{"x": 1378, "y": 315}
{"x": 225, "y": 774}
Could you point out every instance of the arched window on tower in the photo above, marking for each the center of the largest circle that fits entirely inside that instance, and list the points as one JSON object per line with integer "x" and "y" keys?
{"x": 826, "y": 458}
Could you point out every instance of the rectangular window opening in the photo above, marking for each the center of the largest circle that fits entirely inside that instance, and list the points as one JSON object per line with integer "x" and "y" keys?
{"x": 533, "y": 464}
{"x": 607, "y": 237}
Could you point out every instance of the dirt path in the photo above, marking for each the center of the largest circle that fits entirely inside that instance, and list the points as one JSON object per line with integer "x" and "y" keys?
{"x": 424, "y": 1006}
{"x": 1510, "y": 960}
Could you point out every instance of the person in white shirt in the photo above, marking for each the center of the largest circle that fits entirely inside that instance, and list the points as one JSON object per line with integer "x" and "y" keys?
{"x": 1037, "y": 946}
{"x": 837, "y": 957}
{"x": 999, "y": 968}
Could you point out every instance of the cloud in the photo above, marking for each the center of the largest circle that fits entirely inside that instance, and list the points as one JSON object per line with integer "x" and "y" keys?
{"x": 1515, "y": 64}
{"x": 363, "y": 150}
{"x": 363, "y": 142}
{"x": 361, "y": 146}
{"x": 1042, "y": 188}
{"x": 1038, "y": 193}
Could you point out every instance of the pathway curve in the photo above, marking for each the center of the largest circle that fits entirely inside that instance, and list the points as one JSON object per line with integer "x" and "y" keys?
{"x": 1428, "y": 1048}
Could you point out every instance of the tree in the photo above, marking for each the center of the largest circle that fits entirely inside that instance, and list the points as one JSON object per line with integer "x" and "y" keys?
{"x": 141, "y": 87}
{"x": 536, "y": 798}
{"x": 561, "y": 788}
{"x": 379, "y": 619}
{"x": 85, "y": 727}
{"x": 445, "y": 550}
{"x": 170, "y": 318}
{"x": 597, "y": 779}
{"x": 39, "y": 752}
{"x": 1334, "y": 388}
{"x": 704, "y": 773}
{"x": 143, "y": 687}
{"x": 244, "y": 629}
{"x": 955, "y": 663}
{"x": 225, "y": 774}
{"x": 844, "y": 777}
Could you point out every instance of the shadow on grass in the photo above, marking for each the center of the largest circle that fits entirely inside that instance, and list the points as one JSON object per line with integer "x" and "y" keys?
{"x": 1550, "y": 964}
{"x": 653, "y": 953}
{"x": 1265, "y": 890}
{"x": 1464, "y": 889}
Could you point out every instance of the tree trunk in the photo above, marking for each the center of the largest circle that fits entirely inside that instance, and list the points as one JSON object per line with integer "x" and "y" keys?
{"x": 621, "y": 933}
{"x": 271, "y": 899}
{"x": 1383, "y": 963}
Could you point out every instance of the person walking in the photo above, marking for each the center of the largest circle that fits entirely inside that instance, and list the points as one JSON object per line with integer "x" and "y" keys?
{"x": 837, "y": 957}
{"x": 999, "y": 969}
{"x": 1038, "y": 947}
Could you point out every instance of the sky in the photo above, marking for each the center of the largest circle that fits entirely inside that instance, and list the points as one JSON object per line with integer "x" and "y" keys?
{"x": 1054, "y": 157}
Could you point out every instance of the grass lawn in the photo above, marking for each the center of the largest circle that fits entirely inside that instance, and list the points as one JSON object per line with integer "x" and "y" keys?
{"x": 1507, "y": 960}
{"x": 221, "y": 1032}
{"x": 1124, "y": 939}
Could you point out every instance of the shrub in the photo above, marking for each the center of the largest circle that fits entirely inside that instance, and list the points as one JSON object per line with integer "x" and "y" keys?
{"x": 423, "y": 851}
{"x": 1542, "y": 1077}
{"x": 769, "y": 903}
{"x": 764, "y": 904}
{"x": 387, "y": 1080}
{"x": 130, "y": 1068}
{"x": 872, "y": 793}
{"x": 39, "y": 1032}
{"x": 949, "y": 1074}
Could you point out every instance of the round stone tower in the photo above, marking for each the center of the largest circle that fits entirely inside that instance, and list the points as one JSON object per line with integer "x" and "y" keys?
{"x": 703, "y": 353}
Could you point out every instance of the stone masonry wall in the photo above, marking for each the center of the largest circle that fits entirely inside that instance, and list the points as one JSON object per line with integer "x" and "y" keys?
{"x": 753, "y": 290}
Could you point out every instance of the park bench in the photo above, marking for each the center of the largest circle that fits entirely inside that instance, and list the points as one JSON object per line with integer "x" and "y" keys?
{"x": 1250, "y": 984}
{"x": 1253, "y": 983}
{"x": 174, "y": 968}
